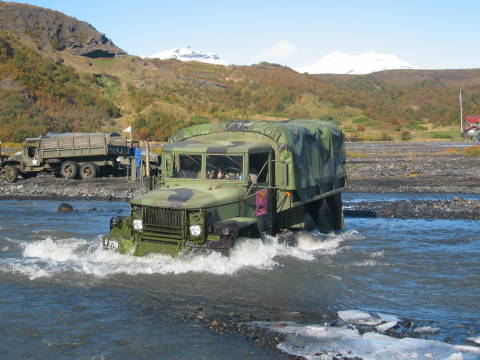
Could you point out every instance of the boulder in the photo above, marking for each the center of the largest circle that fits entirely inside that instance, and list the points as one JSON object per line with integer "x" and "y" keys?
{"x": 64, "y": 208}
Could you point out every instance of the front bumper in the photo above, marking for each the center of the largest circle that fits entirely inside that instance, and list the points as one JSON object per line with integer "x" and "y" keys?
{"x": 123, "y": 239}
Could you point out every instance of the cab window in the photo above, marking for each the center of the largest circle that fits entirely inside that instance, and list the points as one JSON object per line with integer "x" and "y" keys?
{"x": 258, "y": 168}
{"x": 224, "y": 167}
{"x": 183, "y": 166}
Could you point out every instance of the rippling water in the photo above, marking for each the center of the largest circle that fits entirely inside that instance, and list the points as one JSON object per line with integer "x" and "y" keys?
{"x": 61, "y": 295}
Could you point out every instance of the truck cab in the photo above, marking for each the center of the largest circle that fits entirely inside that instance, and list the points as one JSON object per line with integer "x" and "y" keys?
{"x": 206, "y": 197}
{"x": 214, "y": 191}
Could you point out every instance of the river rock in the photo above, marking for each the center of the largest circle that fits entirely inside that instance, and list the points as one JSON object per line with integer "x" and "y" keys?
{"x": 64, "y": 208}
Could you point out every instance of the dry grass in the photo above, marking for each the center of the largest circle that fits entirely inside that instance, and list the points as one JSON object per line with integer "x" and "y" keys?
{"x": 355, "y": 154}
{"x": 473, "y": 150}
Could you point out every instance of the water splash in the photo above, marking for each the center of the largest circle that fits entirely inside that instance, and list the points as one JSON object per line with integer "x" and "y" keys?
{"x": 43, "y": 258}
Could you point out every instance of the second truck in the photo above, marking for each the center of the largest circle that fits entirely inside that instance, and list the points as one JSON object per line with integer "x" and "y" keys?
{"x": 69, "y": 155}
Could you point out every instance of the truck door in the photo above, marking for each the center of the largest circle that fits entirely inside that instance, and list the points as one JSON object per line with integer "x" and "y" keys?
{"x": 260, "y": 199}
{"x": 31, "y": 154}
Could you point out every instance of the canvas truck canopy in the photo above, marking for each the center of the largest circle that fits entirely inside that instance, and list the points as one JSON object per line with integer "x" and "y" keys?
{"x": 312, "y": 151}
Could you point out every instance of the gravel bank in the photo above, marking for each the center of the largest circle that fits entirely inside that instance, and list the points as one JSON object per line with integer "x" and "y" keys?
{"x": 46, "y": 187}
{"x": 456, "y": 208}
{"x": 412, "y": 167}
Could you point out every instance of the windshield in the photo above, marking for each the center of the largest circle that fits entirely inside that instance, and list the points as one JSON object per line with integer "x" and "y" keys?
{"x": 184, "y": 166}
{"x": 224, "y": 167}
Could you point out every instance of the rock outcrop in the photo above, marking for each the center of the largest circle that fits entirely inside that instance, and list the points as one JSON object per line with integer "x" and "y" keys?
{"x": 52, "y": 28}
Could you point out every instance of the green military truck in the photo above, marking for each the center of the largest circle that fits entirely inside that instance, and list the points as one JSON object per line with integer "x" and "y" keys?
{"x": 68, "y": 155}
{"x": 227, "y": 180}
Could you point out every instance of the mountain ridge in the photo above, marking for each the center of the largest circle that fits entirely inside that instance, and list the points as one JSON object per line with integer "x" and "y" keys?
{"x": 189, "y": 54}
{"x": 48, "y": 28}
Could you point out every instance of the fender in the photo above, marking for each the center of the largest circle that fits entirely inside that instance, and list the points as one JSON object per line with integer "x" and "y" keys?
{"x": 225, "y": 232}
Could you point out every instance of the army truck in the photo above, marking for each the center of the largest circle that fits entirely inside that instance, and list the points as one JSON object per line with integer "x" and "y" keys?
{"x": 228, "y": 180}
{"x": 68, "y": 155}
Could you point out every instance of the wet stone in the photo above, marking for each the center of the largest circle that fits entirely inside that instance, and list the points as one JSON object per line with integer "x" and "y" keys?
{"x": 64, "y": 208}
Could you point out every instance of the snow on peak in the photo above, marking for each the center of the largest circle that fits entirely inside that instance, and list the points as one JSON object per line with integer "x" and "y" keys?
{"x": 189, "y": 54}
{"x": 341, "y": 63}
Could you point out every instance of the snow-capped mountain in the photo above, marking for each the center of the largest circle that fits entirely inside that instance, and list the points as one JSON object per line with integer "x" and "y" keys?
{"x": 189, "y": 54}
{"x": 342, "y": 63}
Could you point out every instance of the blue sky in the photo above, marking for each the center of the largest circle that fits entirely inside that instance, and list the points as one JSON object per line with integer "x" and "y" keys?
{"x": 428, "y": 34}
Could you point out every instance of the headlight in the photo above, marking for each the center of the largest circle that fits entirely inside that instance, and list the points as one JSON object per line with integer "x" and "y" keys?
{"x": 137, "y": 224}
{"x": 113, "y": 244}
{"x": 195, "y": 230}
{"x": 226, "y": 231}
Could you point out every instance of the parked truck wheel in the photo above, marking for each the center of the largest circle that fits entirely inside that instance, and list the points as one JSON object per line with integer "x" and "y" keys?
{"x": 89, "y": 171}
{"x": 11, "y": 173}
{"x": 69, "y": 169}
{"x": 325, "y": 218}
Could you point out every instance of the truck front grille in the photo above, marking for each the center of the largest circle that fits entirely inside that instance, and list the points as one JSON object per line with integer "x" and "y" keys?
{"x": 163, "y": 224}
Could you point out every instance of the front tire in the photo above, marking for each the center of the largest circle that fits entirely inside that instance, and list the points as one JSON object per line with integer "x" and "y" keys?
{"x": 69, "y": 170}
{"x": 325, "y": 218}
{"x": 11, "y": 173}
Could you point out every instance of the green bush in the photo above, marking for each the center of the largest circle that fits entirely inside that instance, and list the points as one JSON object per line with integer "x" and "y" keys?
{"x": 405, "y": 136}
{"x": 363, "y": 120}
{"x": 385, "y": 137}
{"x": 445, "y": 135}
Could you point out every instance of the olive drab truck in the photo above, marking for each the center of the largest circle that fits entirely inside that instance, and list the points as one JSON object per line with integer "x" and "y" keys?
{"x": 69, "y": 155}
{"x": 224, "y": 181}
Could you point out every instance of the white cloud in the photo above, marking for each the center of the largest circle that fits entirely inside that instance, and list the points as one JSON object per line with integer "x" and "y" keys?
{"x": 279, "y": 50}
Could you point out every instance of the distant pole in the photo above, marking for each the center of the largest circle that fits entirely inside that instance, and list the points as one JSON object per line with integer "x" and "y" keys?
{"x": 461, "y": 112}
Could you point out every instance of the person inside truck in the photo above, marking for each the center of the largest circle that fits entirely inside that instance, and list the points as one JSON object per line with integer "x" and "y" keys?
{"x": 224, "y": 167}
{"x": 189, "y": 169}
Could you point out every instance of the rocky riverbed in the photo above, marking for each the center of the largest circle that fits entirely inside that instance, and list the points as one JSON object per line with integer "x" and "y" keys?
{"x": 457, "y": 209}
{"x": 48, "y": 187}
{"x": 440, "y": 167}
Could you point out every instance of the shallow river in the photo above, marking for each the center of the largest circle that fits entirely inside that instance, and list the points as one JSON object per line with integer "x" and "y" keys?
{"x": 61, "y": 296}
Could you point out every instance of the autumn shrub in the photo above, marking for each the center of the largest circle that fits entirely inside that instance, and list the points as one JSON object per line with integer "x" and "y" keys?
{"x": 385, "y": 137}
{"x": 473, "y": 150}
{"x": 405, "y": 136}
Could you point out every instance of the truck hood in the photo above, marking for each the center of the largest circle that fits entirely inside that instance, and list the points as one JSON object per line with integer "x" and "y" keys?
{"x": 16, "y": 156}
{"x": 193, "y": 197}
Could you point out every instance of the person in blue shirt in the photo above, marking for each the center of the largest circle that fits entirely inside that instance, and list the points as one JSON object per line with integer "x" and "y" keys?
{"x": 138, "y": 159}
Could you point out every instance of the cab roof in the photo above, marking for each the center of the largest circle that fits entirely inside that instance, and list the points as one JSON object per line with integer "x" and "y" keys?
{"x": 217, "y": 147}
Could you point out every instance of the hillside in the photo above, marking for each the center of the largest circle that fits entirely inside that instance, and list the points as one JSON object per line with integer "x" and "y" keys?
{"x": 59, "y": 73}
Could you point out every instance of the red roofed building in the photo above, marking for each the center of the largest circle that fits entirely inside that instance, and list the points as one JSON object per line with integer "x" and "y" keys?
{"x": 472, "y": 125}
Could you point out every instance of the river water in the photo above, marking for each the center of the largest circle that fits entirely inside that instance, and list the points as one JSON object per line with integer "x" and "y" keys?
{"x": 62, "y": 296}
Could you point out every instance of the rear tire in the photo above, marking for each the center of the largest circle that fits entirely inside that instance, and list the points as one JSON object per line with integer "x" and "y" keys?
{"x": 325, "y": 218}
{"x": 308, "y": 222}
{"x": 11, "y": 173}
{"x": 69, "y": 170}
{"x": 89, "y": 171}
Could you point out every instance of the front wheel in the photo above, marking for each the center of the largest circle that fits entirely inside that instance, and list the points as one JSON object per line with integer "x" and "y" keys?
{"x": 325, "y": 218}
{"x": 11, "y": 173}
